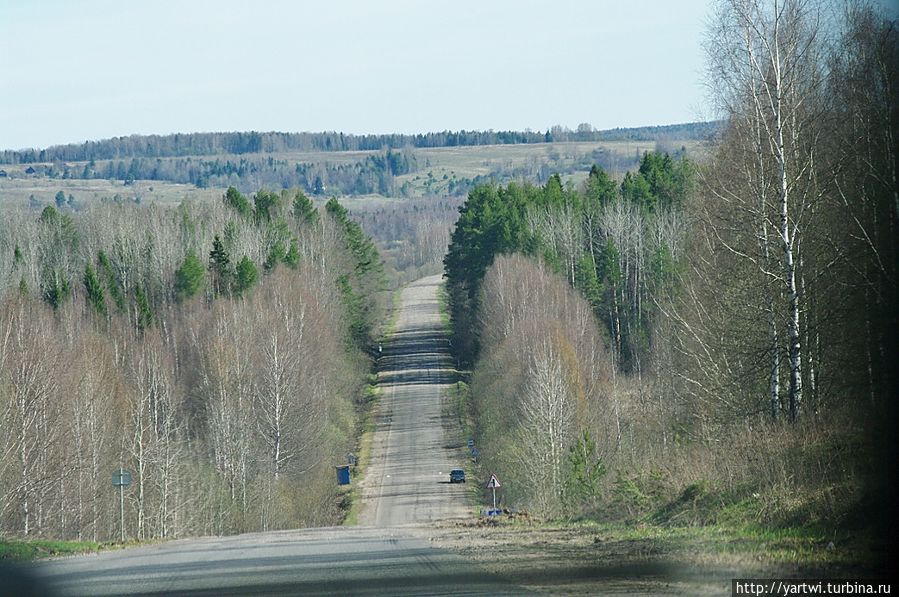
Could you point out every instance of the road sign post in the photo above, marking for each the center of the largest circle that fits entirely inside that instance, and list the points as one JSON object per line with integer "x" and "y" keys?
{"x": 493, "y": 483}
{"x": 121, "y": 479}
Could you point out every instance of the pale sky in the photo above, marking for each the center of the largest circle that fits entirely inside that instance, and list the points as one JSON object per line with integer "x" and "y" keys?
{"x": 74, "y": 71}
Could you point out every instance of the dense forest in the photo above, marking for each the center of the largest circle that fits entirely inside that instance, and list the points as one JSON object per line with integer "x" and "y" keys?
{"x": 217, "y": 351}
{"x": 212, "y": 144}
{"x": 705, "y": 343}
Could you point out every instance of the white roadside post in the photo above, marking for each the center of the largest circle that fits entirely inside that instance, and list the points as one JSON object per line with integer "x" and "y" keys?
{"x": 493, "y": 483}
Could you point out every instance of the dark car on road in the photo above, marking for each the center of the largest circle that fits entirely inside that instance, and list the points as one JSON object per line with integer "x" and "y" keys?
{"x": 457, "y": 475}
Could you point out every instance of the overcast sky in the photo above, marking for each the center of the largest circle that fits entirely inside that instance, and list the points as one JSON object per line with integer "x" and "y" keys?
{"x": 76, "y": 71}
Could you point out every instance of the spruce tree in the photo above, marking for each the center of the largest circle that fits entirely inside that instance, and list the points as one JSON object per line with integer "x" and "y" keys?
{"x": 188, "y": 277}
{"x": 94, "y": 290}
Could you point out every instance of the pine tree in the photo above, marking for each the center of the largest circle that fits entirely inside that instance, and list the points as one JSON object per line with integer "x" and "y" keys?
{"x": 303, "y": 209}
{"x": 220, "y": 266}
{"x": 188, "y": 277}
{"x": 143, "y": 314}
{"x": 234, "y": 199}
{"x": 112, "y": 285}
{"x": 245, "y": 275}
{"x": 94, "y": 289}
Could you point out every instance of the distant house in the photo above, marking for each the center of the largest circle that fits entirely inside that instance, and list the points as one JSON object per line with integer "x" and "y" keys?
{"x": 30, "y": 170}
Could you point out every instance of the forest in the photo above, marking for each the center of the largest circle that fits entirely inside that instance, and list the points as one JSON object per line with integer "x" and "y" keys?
{"x": 250, "y": 161}
{"x": 705, "y": 342}
{"x": 239, "y": 143}
{"x": 217, "y": 351}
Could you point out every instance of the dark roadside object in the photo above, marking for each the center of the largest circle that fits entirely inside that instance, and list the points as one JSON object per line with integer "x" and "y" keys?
{"x": 19, "y": 581}
{"x": 457, "y": 475}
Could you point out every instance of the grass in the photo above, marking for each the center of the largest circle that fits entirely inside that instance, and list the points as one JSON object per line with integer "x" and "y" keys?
{"x": 18, "y": 191}
{"x": 15, "y": 549}
{"x": 363, "y": 455}
{"x": 807, "y": 547}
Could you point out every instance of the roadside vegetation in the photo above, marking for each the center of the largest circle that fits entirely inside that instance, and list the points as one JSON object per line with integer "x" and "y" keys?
{"x": 31, "y": 550}
{"x": 706, "y": 345}
{"x": 216, "y": 350}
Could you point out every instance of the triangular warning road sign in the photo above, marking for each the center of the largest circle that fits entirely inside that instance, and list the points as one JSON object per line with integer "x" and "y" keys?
{"x": 493, "y": 482}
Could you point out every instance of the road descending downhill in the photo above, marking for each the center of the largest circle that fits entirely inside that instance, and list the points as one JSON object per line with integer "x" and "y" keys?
{"x": 406, "y": 488}
{"x": 408, "y": 478}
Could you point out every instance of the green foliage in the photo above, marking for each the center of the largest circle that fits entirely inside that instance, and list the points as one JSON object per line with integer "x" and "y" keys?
{"x": 635, "y": 189}
{"x": 55, "y": 289}
{"x": 49, "y": 215}
{"x": 267, "y": 204}
{"x": 355, "y": 307}
{"x": 365, "y": 254}
{"x": 17, "y": 258}
{"x": 109, "y": 278}
{"x": 660, "y": 183}
{"x": 143, "y": 311}
{"x": 588, "y": 282}
{"x": 669, "y": 181}
{"x": 619, "y": 282}
{"x": 234, "y": 199}
{"x": 292, "y": 257}
{"x": 585, "y": 471}
{"x": 94, "y": 290}
{"x": 60, "y": 199}
{"x": 303, "y": 209}
{"x": 220, "y": 267}
{"x": 600, "y": 189}
{"x": 358, "y": 290}
{"x": 189, "y": 277}
{"x": 276, "y": 254}
{"x": 12, "y": 549}
{"x": 245, "y": 275}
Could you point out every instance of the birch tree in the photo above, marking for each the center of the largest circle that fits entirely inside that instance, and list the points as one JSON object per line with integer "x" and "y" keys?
{"x": 768, "y": 56}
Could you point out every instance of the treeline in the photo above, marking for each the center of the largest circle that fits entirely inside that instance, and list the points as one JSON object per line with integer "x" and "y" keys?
{"x": 371, "y": 174}
{"x": 239, "y": 143}
{"x": 616, "y": 243}
{"x": 412, "y": 234}
{"x": 215, "y": 351}
{"x": 547, "y": 358}
{"x": 726, "y": 357}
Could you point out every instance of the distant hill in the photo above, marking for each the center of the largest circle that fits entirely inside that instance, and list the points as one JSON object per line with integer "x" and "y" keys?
{"x": 239, "y": 143}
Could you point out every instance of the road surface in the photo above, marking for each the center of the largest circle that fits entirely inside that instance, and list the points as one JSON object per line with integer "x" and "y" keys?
{"x": 408, "y": 479}
{"x": 406, "y": 486}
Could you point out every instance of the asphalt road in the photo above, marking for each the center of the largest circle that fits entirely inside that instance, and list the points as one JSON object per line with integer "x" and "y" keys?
{"x": 408, "y": 478}
{"x": 406, "y": 486}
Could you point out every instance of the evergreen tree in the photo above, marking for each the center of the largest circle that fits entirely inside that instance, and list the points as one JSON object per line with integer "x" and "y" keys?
{"x": 599, "y": 188}
{"x": 55, "y": 288}
{"x": 188, "y": 277}
{"x": 585, "y": 471}
{"x": 292, "y": 257}
{"x": 267, "y": 204}
{"x": 143, "y": 312}
{"x": 276, "y": 254}
{"x": 245, "y": 275}
{"x": 303, "y": 209}
{"x": 220, "y": 266}
{"x": 94, "y": 290}
{"x": 234, "y": 199}
{"x": 112, "y": 285}
{"x": 636, "y": 189}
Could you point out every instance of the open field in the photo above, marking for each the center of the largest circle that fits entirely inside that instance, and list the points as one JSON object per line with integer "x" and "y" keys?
{"x": 20, "y": 190}
{"x": 435, "y": 171}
